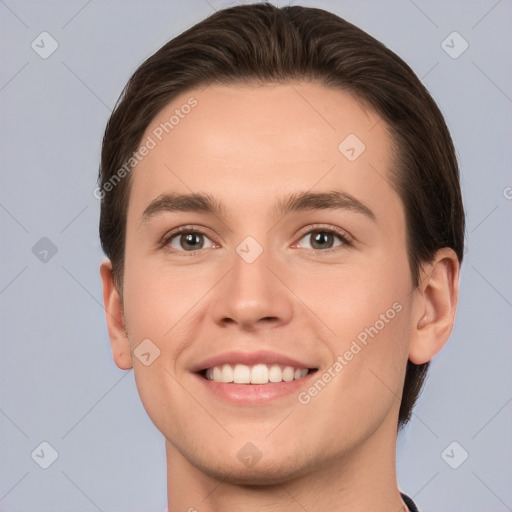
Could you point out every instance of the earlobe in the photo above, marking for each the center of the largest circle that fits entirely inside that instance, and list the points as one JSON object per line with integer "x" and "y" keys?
{"x": 119, "y": 342}
{"x": 434, "y": 314}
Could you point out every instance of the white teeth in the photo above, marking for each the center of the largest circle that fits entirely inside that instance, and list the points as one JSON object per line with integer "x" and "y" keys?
{"x": 227, "y": 373}
{"x": 275, "y": 373}
{"x": 241, "y": 374}
{"x": 257, "y": 374}
{"x": 288, "y": 373}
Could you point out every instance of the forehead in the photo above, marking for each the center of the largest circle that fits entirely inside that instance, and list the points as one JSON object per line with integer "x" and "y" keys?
{"x": 249, "y": 143}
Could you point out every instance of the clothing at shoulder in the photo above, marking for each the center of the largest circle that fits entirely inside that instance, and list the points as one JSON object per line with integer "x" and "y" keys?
{"x": 410, "y": 504}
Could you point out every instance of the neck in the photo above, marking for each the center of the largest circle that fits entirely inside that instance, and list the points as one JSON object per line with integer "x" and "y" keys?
{"x": 360, "y": 480}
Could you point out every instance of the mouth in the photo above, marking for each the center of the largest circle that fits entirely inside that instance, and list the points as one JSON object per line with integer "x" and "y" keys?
{"x": 253, "y": 378}
{"x": 257, "y": 374}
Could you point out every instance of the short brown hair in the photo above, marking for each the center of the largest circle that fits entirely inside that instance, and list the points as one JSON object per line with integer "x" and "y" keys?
{"x": 261, "y": 43}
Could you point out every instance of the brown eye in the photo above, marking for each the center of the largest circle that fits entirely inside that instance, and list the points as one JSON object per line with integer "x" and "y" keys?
{"x": 321, "y": 240}
{"x": 189, "y": 241}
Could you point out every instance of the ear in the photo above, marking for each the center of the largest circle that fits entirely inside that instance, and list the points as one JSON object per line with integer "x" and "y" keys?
{"x": 434, "y": 309}
{"x": 115, "y": 319}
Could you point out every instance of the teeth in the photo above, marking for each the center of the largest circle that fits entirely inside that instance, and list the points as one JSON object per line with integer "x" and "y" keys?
{"x": 257, "y": 374}
{"x": 275, "y": 373}
{"x": 241, "y": 374}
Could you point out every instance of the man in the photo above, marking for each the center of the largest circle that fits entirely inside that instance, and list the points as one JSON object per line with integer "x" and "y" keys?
{"x": 283, "y": 222}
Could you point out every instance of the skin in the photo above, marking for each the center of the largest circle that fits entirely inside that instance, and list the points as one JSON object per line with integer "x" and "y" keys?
{"x": 247, "y": 146}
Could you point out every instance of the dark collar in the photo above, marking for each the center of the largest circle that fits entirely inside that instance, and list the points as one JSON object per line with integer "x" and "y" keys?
{"x": 410, "y": 504}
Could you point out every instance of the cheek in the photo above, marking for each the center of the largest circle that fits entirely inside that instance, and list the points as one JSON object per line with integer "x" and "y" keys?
{"x": 364, "y": 384}
{"x": 158, "y": 296}
{"x": 363, "y": 310}
{"x": 349, "y": 298}
{"x": 163, "y": 398}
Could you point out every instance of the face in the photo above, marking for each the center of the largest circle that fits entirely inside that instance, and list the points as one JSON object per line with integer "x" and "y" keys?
{"x": 265, "y": 241}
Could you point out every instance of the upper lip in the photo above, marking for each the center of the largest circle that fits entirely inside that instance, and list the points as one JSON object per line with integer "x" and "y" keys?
{"x": 249, "y": 359}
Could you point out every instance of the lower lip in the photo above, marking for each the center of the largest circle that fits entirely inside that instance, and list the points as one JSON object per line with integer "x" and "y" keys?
{"x": 254, "y": 394}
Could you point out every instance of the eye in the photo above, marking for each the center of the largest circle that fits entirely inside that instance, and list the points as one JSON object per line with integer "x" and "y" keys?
{"x": 188, "y": 241}
{"x": 323, "y": 239}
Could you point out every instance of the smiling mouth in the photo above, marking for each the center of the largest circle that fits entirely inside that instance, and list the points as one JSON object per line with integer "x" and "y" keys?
{"x": 254, "y": 374}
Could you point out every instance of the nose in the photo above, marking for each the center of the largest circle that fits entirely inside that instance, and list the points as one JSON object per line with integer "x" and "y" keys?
{"x": 252, "y": 296}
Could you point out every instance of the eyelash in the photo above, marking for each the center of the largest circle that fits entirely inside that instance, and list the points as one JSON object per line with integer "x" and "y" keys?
{"x": 346, "y": 239}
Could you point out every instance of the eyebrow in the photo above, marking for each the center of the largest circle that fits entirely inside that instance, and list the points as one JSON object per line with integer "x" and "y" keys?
{"x": 296, "y": 202}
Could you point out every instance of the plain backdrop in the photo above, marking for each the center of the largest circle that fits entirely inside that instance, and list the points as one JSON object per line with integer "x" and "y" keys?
{"x": 58, "y": 383}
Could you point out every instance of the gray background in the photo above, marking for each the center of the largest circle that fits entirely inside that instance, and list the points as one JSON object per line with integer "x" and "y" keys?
{"x": 57, "y": 379}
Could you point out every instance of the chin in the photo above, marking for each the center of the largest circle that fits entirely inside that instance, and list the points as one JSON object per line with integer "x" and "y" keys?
{"x": 263, "y": 473}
